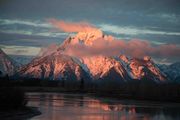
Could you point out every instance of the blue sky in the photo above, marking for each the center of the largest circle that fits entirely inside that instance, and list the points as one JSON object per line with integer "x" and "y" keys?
{"x": 24, "y": 26}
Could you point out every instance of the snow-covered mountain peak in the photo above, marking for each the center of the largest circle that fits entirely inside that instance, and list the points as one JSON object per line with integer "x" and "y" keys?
{"x": 87, "y": 37}
{"x": 101, "y": 67}
{"x": 172, "y": 71}
{"x": 2, "y": 53}
{"x": 145, "y": 67}
{"x": 147, "y": 58}
{"x": 7, "y": 65}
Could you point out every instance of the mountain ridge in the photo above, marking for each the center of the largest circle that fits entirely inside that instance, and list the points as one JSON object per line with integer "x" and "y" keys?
{"x": 97, "y": 67}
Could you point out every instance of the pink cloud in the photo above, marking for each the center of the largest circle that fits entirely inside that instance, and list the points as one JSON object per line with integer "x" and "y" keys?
{"x": 71, "y": 26}
{"x": 134, "y": 48}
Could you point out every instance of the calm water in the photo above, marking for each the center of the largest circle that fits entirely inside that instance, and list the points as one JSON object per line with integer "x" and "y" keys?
{"x": 59, "y": 106}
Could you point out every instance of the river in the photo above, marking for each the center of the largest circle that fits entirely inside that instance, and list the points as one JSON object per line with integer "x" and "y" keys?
{"x": 61, "y": 106}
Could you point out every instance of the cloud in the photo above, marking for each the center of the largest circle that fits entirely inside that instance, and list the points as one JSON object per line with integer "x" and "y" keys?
{"x": 20, "y": 50}
{"x": 129, "y": 30}
{"x": 29, "y": 27}
{"x": 25, "y": 22}
{"x": 71, "y": 26}
{"x": 133, "y": 48}
{"x": 172, "y": 18}
{"x": 48, "y": 50}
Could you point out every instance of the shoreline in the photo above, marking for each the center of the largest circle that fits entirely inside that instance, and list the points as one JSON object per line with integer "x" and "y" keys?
{"x": 99, "y": 97}
{"x": 19, "y": 114}
{"x": 105, "y": 94}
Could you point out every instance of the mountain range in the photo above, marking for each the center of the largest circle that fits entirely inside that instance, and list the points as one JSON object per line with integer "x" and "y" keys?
{"x": 58, "y": 64}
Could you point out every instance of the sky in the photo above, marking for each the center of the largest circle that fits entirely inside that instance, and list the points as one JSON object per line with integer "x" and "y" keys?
{"x": 25, "y": 26}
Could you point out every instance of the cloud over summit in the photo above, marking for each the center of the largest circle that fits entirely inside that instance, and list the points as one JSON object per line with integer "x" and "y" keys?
{"x": 71, "y": 26}
{"x": 136, "y": 48}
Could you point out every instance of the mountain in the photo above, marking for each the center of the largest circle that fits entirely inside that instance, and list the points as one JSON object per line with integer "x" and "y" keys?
{"x": 124, "y": 68}
{"x": 142, "y": 68}
{"x": 56, "y": 64}
{"x": 101, "y": 67}
{"x": 172, "y": 71}
{"x": 7, "y": 65}
{"x": 98, "y": 67}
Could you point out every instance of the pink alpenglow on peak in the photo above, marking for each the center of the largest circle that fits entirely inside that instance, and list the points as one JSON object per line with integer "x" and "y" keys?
{"x": 87, "y": 37}
{"x": 147, "y": 58}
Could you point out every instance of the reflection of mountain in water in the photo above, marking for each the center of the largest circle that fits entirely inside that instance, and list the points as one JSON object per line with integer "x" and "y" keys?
{"x": 68, "y": 106}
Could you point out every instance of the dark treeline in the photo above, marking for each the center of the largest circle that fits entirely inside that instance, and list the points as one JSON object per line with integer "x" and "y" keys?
{"x": 136, "y": 89}
{"x": 11, "y": 97}
{"x": 13, "y": 102}
{"x": 144, "y": 91}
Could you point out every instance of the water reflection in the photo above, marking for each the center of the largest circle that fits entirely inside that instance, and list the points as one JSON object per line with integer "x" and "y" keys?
{"x": 58, "y": 106}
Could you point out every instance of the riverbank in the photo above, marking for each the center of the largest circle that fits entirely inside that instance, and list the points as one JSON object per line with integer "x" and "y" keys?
{"x": 19, "y": 114}
{"x": 13, "y": 104}
{"x": 137, "y": 90}
{"x": 107, "y": 94}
